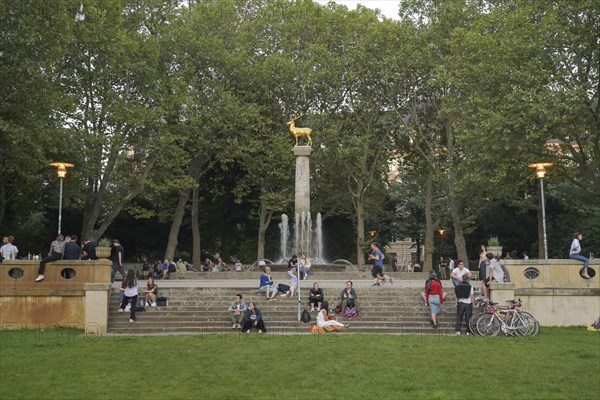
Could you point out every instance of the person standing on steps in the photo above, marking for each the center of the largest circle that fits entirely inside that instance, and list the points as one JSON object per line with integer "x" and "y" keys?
{"x": 117, "y": 255}
{"x": 433, "y": 296}
{"x": 130, "y": 294}
{"x": 377, "y": 271}
{"x": 442, "y": 269}
{"x": 464, "y": 309}
{"x": 57, "y": 248}
{"x": 574, "y": 254}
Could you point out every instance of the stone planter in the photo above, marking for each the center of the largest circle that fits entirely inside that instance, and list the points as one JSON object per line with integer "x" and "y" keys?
{"x": 103, "y": 252}
{"x": 495, "y": 250}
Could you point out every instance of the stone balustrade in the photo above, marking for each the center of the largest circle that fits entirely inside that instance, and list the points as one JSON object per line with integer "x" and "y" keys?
{"x": 553, "y": 291}
{"x": 73, "y": 293}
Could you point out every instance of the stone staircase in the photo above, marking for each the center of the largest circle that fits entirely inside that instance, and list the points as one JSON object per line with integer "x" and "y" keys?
{"x": 203, "y": 310}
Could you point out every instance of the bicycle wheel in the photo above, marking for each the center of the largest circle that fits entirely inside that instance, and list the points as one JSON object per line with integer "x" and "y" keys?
{"x": 519, "y": 324}
{"x": 488, "y": 325}
{"x": 473, "y": 322}
{"x": 532, "y": 324}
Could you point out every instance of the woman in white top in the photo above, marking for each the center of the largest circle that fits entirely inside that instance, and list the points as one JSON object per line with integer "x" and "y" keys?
{"x": 323, "y": 320}
{"x": 130, "y": 291}
{"x": 574, "y": 254}
{"x": 305, "y": 266}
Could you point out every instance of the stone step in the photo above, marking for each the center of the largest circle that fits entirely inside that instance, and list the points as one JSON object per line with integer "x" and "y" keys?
{"x": 203, "y": 310}
{"x": 280, "y": 275}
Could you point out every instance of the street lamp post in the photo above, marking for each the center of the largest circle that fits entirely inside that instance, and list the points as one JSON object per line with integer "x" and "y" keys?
{"x": 61, "y": 173}
{"x": 540, "y": 173}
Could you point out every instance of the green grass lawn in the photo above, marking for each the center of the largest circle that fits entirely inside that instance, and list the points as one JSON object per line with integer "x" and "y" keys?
{"x": 560, "y": 363}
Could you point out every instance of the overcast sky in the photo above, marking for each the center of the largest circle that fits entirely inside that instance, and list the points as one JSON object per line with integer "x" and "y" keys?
{"x": 389, "y": 8}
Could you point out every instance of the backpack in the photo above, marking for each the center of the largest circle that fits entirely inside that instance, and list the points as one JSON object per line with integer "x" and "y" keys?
{"x": 162, "y": 301}
{"x": 350, "y": 312}
{"x": 305, "y": 316}
{"x": 506, "y": 273}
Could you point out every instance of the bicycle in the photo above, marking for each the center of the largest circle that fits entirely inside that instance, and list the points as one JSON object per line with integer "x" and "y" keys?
{"x": 508, "y": 319}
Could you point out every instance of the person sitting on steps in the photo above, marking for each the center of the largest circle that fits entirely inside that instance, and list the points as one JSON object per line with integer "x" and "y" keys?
{"x": 349, "y": 298}
{"x": 151, "y": 292}
{"x": 237, "y": 310}
{"x": 315, "y": 297}
{"x": 324, "y": 322}
{"x": 253, "y": 318}
{"x": 266, "y": 284}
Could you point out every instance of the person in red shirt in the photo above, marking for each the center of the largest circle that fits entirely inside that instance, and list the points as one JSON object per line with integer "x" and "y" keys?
{"x": 433, "y": 296}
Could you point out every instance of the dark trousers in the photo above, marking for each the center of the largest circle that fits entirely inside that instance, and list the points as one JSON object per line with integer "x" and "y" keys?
{"x": 248, "y": 324}
{"x": 116, "y": 267}
{"x": 52, "y": 257}
{"x": 133, "y": 300}
{"x": 464, "y": 310}
{"x": 314, "y": 302}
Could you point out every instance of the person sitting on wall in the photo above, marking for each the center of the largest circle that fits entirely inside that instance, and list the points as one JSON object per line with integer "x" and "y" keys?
{"x": 459, "y": 272}
{"x": 494, "y": 273}
{"x": 57, "y": 248}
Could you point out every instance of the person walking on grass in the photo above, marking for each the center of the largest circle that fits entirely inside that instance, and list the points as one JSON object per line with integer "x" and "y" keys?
{"x": 377, "y": 271}
{"x": 130, "y": 294}
{"x": 574, "y": 254}
{"x": 237, "y": 310}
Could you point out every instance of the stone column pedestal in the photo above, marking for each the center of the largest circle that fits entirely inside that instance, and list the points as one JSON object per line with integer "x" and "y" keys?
{"x": 302, "y": 192}
{"x": 96, "y": 307}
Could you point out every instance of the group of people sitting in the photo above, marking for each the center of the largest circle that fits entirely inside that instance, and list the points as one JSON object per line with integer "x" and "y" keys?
{"x": 166, "y": 269}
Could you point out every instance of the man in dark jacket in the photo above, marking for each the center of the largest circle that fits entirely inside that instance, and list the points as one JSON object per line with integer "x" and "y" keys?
{"x": 72, "y": 249}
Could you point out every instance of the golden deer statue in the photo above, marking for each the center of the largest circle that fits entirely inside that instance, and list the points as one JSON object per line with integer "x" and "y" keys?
{"x": 299, "y": 132}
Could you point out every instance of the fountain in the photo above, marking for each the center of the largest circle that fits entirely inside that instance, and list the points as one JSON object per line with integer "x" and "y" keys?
{"x": 284, "y": 235}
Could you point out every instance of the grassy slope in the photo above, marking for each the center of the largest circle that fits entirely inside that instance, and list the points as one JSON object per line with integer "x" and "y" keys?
{"x": 560, "y": 363}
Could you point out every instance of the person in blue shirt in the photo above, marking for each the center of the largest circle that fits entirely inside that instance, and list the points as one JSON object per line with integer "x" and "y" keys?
{"x": 266, "y": 284}
{"x": 377, "y": 270}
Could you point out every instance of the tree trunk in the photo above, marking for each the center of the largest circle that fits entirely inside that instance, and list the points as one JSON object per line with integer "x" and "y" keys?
{"x": 264, "y": 220}
{"x": 429, "y": 223}
{"x": 459, "y": 236}
{"x": 196, "y": 251}
{"x": 360, "y": 228}
{"x": 176, "y": 225}
{"x": 196, "y": 170}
